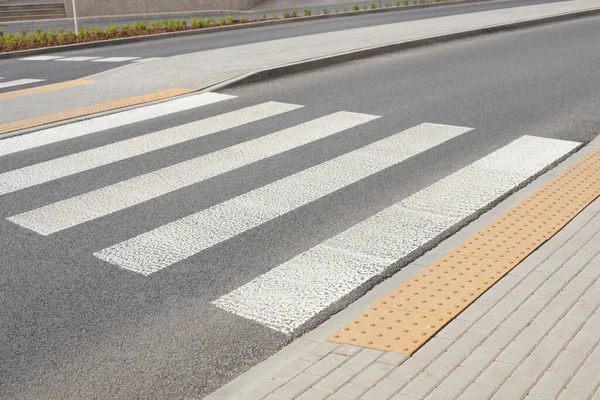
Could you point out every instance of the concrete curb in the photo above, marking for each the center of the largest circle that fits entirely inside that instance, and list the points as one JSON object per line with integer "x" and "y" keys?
{"x": 302, "y": 66}
{"x": 160, "y": 36}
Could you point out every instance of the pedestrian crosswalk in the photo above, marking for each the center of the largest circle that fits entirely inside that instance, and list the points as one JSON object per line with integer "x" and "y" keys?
{"x": 18, "y": 82}
{"x": 290, "y": 294}
{"x": 90, "y": 59}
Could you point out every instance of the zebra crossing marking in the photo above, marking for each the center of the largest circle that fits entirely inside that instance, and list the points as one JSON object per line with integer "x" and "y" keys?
{"x": 98, "y": 124}
{"x": 116, "y": 59}
{"x": 79, "y": 162}
{"x": 289, "y": 295}
{"x": 92, "y": 59}
{"x": 41, "y": 58}
{"x": 86, "y": 207}
{"x": 176, "y": 241}
{"x": 78, "y": 58}
{"x": 19, "y": 82}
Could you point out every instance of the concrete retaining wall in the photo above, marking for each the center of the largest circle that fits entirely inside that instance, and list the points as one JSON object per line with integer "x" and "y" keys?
{"x": 93, "y": 8}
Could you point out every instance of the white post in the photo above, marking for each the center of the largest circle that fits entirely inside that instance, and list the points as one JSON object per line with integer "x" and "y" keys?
{"x": 75, "y": 18}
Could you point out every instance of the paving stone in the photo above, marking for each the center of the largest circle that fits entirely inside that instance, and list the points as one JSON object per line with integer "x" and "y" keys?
{"x": 480, "y": 358}
{"x": 466, "y": 343}
{"x": 459, "y": 379}
{"x": 348, "y": 350}
{"x": 564, "y": 275}
{"x": 550, "y": 288}
{"x": 291, "y": 370}
{"x": 516, "y": 352}
{"x": 409, "y": 369}
{"x": 535, "y": 303}
{"x": 550, "y": 384}
{"x": 320, "y": 351}
{"x": 564, "y": 299}
{"x": 313, "y": 394}
{"x": 550, "y": 347}
{"x": 297, "y": 385}
{"x": 444, "y": 364}
{"x": 583, "y": 342}
{"x": 486, "y": 324}
{"x": 500, "y": 338}
{"x": 474, "y": 312}
{"x": 433, "y": 348}
{"x": 327, "y": 364}
{"x": 567, "y": 362}
{"x": 581, "y": 282}
{"x": 574, "y": 395}
{"x": 384, "y": 389}
{"x": 373, "y": 374}
{"x": 495, "y": 374}
{"x": 533, "y": 333}
{"x": 532, "y": 368}
{"x": 454, "y": 329}
{"x": 505, "y": 307}
{"x": 585, "y": 380}
{"x": 393, "y": 358}
{"x": 519, "y": 319}
{"x": 350, "y": 391}
{"x": 421, "y": 385}
{"x": 581, "y": 311}
{"x": 477, "y": 392}
{"x": 566, "y": 328}
{"x": 362, "y": 360}
{"x": 401, "y": 396}
{"x": 513, "y": 388}
{"x": 439, "y": 394}
{"x": 594, "y": 360}
{"x": 274, "y": 396}
{"x": 262, "y": 389}
{"x": 335, "y": 380}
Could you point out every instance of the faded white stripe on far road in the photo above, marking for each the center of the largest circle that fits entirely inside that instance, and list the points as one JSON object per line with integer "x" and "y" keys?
{"x": 291, "y": 294}
{"x": 94, "y": 125}
{"x": 19, "y": 82}
{"x": 171, "y": 243}
{"x": 77, "y": 210}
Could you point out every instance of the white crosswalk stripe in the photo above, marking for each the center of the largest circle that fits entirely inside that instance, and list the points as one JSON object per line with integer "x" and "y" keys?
{"x": 19, "y": 82}
{"x": 91, "y": 59}
{"x": 41, "y": 58}
{"x": 94, "y": 125}
{"x": 77, "y": 58}
{"x": 61, "y": 167}
{"x": 116, "y": 59}
{"x": 290, "y": 295}
{"x": 166, "y": 245}
{"x": 89, "y": 206}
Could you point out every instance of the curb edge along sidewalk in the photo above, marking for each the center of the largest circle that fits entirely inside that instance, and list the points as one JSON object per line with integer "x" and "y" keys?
{"x": 170, "y": 35}
{"x": 308, "y": 342}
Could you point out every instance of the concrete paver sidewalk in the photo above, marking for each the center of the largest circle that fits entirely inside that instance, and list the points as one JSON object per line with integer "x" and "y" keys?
{"x": 533, "y": 335}
{"x": 208, "y": 69}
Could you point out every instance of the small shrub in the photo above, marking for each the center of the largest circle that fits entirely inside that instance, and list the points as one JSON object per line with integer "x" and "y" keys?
{"x": 209, "y": 22}
{"x": 264, "y": 16}
{"x": 111, "y": 30}
{"x": 295, "y": 13}
{"x": 355, "y": 8}
{"x": 285, "y": 14}
{"x": 325, "y": 11}
{"x": 373, "y": 5}
{"x": 274, "y": 16}
{"x": 244, "y": 19}
{"x": 197, "y": 23}
{"x": 1, "y": 33}
{"x": 307, "y": 12}
{"x": 406, "y": 2}
{"x": 388, "y": 4}
{"x": 229, "y": 19}
{"x": 221, "y": 21}
{"x": 183, "y": 23}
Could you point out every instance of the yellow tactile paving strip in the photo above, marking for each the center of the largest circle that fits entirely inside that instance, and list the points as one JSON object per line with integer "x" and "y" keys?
{"x": 89, "y": 110}
{"x": 42, "y": 89}
{"x": 405, "y": 319}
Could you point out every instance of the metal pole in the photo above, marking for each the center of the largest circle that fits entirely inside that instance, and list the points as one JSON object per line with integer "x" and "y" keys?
{"x": 75, "y": 18}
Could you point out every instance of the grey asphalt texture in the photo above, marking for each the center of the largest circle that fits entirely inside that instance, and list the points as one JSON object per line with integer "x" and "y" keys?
{"x": 73, "y": 327}
{"x": 54, "y": 72}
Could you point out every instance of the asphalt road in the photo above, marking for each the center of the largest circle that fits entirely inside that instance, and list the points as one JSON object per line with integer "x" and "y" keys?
{"x": 75, "y": 326}
{"x": 57, "y": 71}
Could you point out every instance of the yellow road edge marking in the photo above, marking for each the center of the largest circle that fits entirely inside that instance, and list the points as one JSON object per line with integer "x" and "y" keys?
{"x": 405, "y": 319}
{"x": 42, "y": 89}
{"x": 89, "y": 110}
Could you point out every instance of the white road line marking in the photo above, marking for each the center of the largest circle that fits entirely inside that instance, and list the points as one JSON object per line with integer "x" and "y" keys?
{"x": 19, "y": 82}
{"x": 41, "y": 58}
{"x": 170, "y": 243}
{"x": 115, "y": 59}
{"x": 148, "y": 59}
{"x": 60, "y": 167}
{"x": 291, "y": 294}
{"x": 80, "y": 58}
{"x": 77, "y": 210}
{"x": 94, "y": 125}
